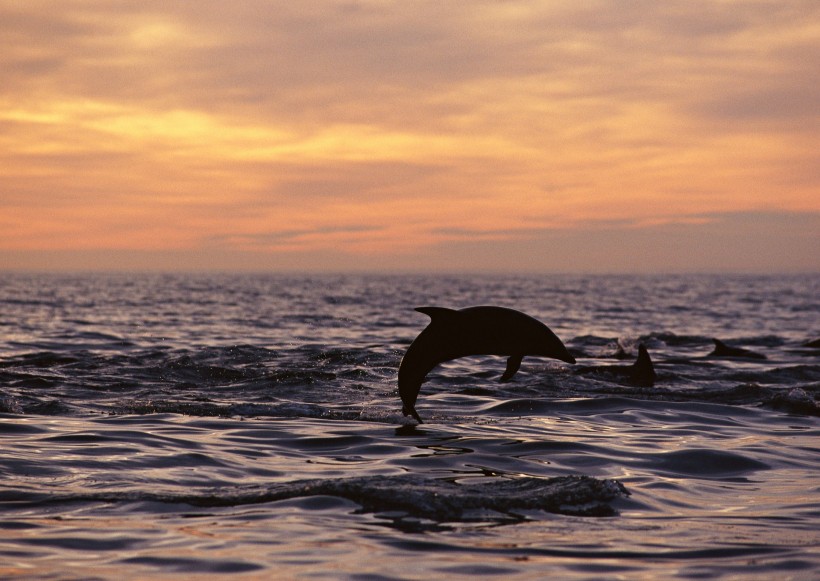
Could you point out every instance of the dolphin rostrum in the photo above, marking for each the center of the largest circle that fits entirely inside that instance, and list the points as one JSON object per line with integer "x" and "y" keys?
{"x": 473, "y": 331}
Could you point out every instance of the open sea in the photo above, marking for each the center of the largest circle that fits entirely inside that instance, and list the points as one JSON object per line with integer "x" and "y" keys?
{"x": 158, "y": 426}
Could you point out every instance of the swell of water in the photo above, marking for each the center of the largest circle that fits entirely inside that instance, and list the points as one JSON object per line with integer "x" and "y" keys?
{"x": 158, "y": 424}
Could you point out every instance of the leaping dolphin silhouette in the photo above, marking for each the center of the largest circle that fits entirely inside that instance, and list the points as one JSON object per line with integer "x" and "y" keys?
{"x": 473, "y": 331}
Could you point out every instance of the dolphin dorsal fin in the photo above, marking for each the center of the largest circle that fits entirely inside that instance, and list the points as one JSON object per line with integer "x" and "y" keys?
{"x": 720, "y": 345}
{"x": 438, "y": 313}
{"x": 643, "y": 370}
{"x": 644, "y": 361}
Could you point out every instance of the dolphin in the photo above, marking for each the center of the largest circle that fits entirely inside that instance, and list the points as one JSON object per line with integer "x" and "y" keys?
{"x": 481, "y": 330}
{"x": 724, "y": 350}
{"x": 641, "y": 373}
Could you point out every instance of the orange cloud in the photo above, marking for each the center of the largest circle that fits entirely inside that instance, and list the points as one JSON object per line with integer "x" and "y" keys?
{"x": 388, "y": 128}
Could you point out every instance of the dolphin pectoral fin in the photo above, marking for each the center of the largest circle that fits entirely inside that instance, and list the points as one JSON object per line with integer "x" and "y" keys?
{"x": 513, "y": 363}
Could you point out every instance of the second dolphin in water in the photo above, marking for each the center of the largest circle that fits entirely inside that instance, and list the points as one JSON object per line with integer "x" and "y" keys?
{"x": 724, "y": 350}
{"x": 473, "y": 331}
{"x": 641, "y": 373}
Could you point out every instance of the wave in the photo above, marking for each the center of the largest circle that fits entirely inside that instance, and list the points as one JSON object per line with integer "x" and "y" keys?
{"x": 318, "y": 380}
{"x": 416, "y": 496}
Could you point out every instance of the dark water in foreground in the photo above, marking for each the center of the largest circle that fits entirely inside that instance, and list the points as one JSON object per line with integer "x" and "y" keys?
{"x": 154, "y": 426}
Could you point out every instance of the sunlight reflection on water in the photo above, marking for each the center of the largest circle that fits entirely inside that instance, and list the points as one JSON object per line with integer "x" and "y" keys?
{"x": 190, "y": 425}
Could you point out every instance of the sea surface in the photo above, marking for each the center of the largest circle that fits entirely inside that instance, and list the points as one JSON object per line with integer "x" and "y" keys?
{"x": 159, "y": 426}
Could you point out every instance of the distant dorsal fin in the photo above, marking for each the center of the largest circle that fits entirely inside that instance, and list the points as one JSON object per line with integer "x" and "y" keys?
{"x": 720, "y": 345}
{"x": 643, "y": 359}
{"x": 643, "y": 372}
{"x": 438, "y": 313}
{"x": 724, "y": 350}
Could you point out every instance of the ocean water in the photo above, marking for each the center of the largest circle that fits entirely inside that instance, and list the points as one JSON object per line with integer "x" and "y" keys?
{"x": 249, "y": 426}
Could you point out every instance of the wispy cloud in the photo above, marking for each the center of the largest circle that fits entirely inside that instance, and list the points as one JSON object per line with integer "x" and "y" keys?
{"x": 380, "y": 127}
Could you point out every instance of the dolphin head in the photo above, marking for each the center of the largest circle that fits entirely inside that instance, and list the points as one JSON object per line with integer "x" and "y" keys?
{"x": 554, "y": 348}
{"x": 540, "y": 340}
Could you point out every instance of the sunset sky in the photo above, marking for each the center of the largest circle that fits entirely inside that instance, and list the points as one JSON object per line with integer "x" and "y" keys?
{"x": 613, "y": 136}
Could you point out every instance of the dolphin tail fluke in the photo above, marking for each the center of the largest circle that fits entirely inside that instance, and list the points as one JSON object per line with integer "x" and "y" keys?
{"x": 513, "y": 363}
{"x": 411, "y": 411}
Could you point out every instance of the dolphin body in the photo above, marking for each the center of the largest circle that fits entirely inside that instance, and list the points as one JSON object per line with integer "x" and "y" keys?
{"x": 473, "y": 331}
{"x": 724, "y": 350}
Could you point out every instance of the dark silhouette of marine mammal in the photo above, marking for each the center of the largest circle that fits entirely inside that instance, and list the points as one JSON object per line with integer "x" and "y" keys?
{"x": 724, "y": 350}
{"x": 641, "y": 373}
{"x": 481, "y": 330}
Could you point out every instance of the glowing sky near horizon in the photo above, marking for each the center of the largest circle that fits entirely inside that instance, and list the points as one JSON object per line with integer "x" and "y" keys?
{"x": 553, "y": 135}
